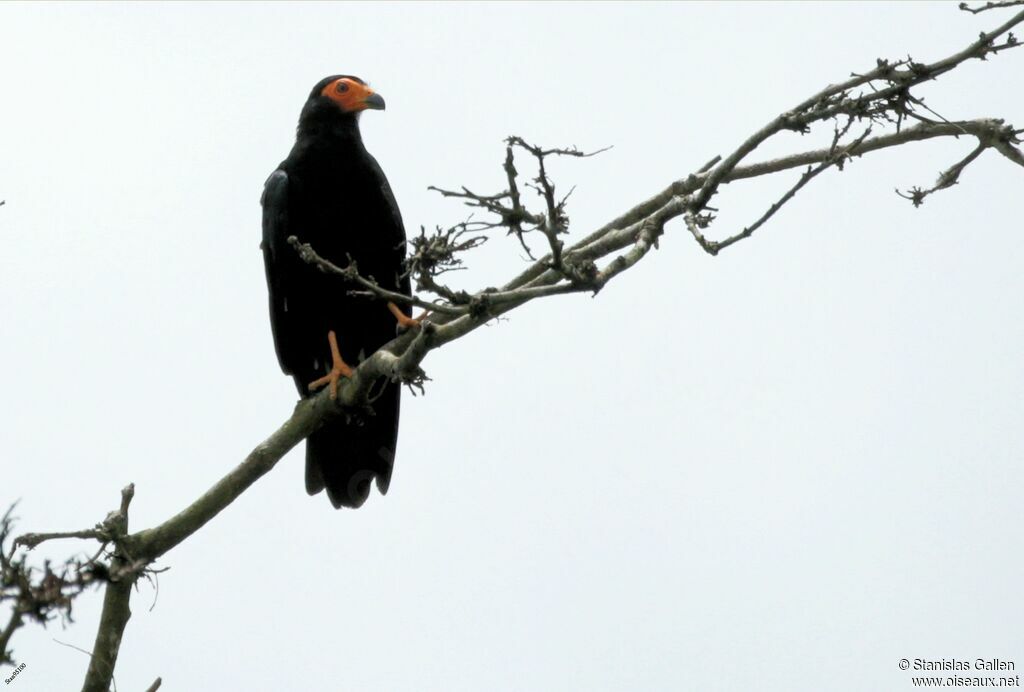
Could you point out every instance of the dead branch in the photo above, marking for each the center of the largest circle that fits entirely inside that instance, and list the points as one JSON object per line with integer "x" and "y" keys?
{"x": 996, "y": 5}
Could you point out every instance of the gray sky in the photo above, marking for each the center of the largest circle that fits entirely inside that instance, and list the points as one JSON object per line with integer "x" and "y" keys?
{"x": 784, "y": 468}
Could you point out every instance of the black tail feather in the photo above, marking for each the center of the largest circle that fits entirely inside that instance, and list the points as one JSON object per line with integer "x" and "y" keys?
{"x": 343, "y": 457}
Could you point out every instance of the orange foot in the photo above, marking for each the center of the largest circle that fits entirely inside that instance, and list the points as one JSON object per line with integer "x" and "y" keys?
{"x": 339, "y": 369}
{"x": 404, "y": 320}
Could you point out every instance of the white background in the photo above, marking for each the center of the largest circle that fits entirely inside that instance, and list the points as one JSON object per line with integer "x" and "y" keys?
{"x": 784, "y": 468}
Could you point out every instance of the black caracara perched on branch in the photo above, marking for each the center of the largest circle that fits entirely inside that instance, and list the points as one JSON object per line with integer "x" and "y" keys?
{"x": 331, "y": 193}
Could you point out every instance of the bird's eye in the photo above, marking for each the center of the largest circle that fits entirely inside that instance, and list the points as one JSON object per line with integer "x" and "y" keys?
{"x": 341, "y": 87}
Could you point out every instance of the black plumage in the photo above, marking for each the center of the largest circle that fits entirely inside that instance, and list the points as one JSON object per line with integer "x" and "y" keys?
{"x": 330, "y": 192}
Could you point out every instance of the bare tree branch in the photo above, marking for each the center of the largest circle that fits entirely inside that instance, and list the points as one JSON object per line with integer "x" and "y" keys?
{"x": 124, "y": 570}
{"x": 996, "y": 5}
{"x": 350, "y": 272}
{"x": 39, "y": 595}
{"x": 947, "y": 178}
{"x": 31, "y": 540}
{"x": 836, "y": 158}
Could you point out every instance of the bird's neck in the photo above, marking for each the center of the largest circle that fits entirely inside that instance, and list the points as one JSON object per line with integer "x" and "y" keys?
{"x": 327, "y": 125}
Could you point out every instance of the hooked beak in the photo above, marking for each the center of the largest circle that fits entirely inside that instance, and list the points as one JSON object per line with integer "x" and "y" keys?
{"x": 374, "y": 102}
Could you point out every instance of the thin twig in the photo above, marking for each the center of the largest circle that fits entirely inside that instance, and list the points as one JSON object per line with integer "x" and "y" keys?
{"x": 834, "y": 159}
{"x": 993, "y": 5}
{"x": 351, "y": 273}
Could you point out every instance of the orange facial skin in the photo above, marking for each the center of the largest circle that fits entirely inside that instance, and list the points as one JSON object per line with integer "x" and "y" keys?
{"x": 352, "y": 96}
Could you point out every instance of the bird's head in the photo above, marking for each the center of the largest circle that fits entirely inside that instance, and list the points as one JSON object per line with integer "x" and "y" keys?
{"x": 337, "y": 100}
{"x": 347, "y": 93}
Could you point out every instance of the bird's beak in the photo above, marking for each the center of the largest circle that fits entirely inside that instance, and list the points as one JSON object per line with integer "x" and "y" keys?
{"x": 374, "y": 102}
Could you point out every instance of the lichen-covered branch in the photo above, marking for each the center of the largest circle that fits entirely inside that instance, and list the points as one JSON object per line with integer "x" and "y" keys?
{"x": 42, "y": 595}
{"x": 836, "y": 157}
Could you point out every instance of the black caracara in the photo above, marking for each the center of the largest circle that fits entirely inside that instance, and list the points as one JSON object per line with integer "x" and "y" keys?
{"x": 331, "y": 193}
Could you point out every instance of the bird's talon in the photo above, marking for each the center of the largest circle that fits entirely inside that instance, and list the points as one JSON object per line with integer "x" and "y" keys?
{"x": 404, "y": 320}
{"x": 339, "y": 369}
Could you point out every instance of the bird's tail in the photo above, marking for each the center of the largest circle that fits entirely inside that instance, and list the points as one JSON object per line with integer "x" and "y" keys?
{"x": 344, "y": 457}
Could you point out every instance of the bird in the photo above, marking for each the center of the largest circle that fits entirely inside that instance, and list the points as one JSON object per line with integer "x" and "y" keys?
{"x": 332, "y": 194}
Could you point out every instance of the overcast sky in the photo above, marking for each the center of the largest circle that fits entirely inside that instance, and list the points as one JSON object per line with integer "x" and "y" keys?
{"x": 783, "y": 468}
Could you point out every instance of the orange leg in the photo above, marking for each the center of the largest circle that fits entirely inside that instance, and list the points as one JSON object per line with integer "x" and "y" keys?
{"x": 404, "y": 320}
{"x": 339, "y": 369}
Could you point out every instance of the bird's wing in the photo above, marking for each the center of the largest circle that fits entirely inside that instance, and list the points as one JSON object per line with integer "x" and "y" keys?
{"x": 389, "y": 197}
{"x": 278, "y": 260}
{"x": 404, "y": 284}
